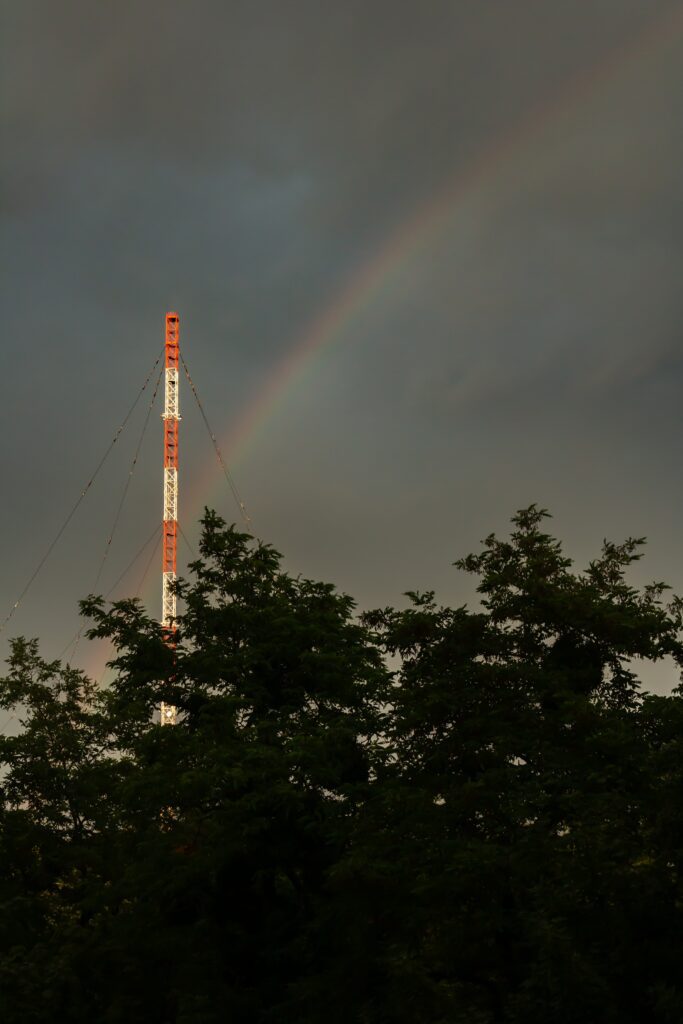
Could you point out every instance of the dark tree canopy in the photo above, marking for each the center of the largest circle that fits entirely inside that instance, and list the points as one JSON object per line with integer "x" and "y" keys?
{"x": 426, "y": 816}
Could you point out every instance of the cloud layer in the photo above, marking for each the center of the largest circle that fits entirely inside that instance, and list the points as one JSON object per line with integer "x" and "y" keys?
{"x": 239, "y": 162}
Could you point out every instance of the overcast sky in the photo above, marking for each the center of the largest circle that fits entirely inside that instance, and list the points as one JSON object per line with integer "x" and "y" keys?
{"x": 504, "y": 176}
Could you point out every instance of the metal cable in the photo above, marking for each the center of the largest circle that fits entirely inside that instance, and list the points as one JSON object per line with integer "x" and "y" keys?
{"x": 122, "y": 501}
{"x": 157, "y": 530}
{"x": 187, "y": 543}
{"x": 228, "y": 476}
{"x": 155, "y": 533}
{"x": 149, "y": 563}
{"x": 127, "y": 483}
{"x": 82, "y": 495}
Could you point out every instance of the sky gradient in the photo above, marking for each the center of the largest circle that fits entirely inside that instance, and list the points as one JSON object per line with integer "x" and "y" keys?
{"x": 427, "y": 259}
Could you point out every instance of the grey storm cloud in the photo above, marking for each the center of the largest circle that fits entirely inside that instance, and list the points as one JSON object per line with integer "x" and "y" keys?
{"x": 240, "y": 161}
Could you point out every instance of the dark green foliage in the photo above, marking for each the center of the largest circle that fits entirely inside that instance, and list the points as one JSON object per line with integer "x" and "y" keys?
{"x": 489, "y": 831}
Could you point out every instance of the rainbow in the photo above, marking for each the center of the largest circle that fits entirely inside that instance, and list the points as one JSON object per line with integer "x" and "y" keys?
{"x": 376, "y": 275}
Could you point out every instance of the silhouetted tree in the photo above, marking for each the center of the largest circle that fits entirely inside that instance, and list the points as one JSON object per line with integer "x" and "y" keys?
{"x": 431, "y": 815}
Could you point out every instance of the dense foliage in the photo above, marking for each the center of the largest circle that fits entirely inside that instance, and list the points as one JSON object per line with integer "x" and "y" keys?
{"x": 430, "y": 816}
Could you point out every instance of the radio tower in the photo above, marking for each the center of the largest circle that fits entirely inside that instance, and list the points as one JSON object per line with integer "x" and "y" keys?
{"x": 170, "y": 539}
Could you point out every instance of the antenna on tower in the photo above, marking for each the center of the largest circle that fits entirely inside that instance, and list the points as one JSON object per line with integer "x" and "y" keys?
{"x": 170, "y": 523}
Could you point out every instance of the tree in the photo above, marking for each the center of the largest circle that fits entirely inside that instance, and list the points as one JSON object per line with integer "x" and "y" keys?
{"x": 425, "y": 815}
{"x": 187, "y": 887}
{"x": 525, "y": 787}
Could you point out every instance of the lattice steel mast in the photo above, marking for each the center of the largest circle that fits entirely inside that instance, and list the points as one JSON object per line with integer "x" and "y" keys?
{"x": 170, "y": 528}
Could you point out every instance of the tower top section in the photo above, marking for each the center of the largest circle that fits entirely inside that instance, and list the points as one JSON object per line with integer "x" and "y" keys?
{"x": 172, "y": 337}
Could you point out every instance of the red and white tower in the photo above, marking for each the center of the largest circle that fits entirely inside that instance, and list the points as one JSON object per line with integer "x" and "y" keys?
{"x": 170, "y": 537}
